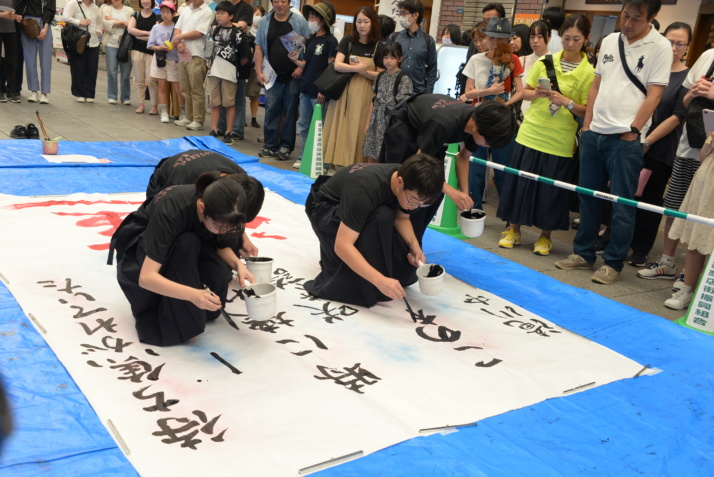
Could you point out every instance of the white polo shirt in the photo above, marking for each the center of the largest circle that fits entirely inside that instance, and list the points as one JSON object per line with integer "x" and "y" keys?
{"x": 619, "y": 100}
{"x": 699, "y": 69}
{"x": 199, "y": 19}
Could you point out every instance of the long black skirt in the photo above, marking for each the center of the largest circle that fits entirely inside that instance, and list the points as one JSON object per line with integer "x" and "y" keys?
{"x": 532, "y": 203}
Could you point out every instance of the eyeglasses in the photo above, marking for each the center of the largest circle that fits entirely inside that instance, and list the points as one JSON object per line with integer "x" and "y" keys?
{"x": 404, "y": 14}
{"x": 680, "y": 45}
{"x": 412, "y": 202}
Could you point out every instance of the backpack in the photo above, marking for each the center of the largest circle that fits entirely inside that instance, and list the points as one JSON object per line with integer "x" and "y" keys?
{"x": 400, "y": 74}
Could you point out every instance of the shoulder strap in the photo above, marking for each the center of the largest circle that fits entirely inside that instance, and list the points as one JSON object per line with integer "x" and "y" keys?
{"x": 397, "y": 81}
{"x": 710, "y": 70}
{"x": 427, "y": 40}
{"x": 393, "y": 37}
{"x": 550, "y": 71}
{"x": 623, "y": 60}
{"x": 376, "y": 82}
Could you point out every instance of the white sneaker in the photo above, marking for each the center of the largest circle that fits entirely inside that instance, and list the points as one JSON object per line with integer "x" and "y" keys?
{"x": 182, "y": 121}
{"x": 80, "y": 99}
{"x": 34, "y": 97}
{"x": 126, "y": 103}
{"x": 679, "y": 282}
{"x": 112, "y": 101}
{"x": 165, "y": 118}
{"x": 296, "y": 164}
{"x": 90, "y": 100}
{"x": 681, "y": 299}
{"x": 194, "y": 126}
{"x": 43, "y": 99}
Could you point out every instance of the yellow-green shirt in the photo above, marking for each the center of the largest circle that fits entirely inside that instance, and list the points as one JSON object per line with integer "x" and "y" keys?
{"x": 555, "y": 134}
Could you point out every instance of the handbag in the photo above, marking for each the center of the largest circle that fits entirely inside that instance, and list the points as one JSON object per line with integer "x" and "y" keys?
{"x": 125, "y": 44}
{"x": 331, "y": 83}
{"x": 73, "y": 37}
{"x": 30, "y": 28}
{"x": 161, "y": 54}
{"x": 696, "y": 133}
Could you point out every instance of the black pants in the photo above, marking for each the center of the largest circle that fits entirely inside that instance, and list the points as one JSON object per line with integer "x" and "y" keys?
{"x": 8, "y": 42}
{"x": 378, "y": 243}
{"x": 83, "y": 69}
{"x": 647, "y": 223}
{"x": 164, "y": 321}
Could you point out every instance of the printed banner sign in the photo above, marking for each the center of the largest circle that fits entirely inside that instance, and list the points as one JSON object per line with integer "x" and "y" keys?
{"x": 318, "y": 380}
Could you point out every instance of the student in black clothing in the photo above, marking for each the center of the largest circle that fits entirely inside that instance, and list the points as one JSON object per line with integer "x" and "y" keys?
{"x": 428, "y": 122}
{"x": 175, "y": 258}
{"x": 368, "y": 246}
{"x": 184, "y": 168}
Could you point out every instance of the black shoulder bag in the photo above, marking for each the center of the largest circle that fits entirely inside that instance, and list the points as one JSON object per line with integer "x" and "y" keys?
{"x": 73, "y": 37}
{"x": 126, "y": 43}
{"x": 696, "y": 134}
{"x": 331, "y": 83}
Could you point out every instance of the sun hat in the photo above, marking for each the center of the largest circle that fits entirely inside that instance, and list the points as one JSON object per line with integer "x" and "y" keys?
{"x": 322, "y": 10}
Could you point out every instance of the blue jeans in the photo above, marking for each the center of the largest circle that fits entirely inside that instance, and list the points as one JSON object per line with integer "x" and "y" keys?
{"x": 477, "y": 172}
{"x": 239, "y": 123}
{"x": 32, "y": 49}
{"x": 606, "y": 157}
{"x": 124, "y": 70}
{"x": 281, "y": 100}
{"x": 307, "y": 107}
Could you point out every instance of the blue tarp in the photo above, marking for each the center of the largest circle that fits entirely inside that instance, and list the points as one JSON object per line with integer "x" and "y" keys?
{"x": 651, "y": 425}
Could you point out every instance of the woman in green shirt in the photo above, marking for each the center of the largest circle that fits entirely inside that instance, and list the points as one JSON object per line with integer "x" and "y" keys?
{"x": 546, "y": 140}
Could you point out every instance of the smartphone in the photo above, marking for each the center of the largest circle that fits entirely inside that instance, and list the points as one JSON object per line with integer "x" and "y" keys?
{"x": 708, "y": 116}
{"x": 544, "y": 82}
{"x": 354, "y": 59}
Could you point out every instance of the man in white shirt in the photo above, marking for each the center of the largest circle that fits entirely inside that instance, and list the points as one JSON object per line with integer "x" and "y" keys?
{"x": 619, "y": 111}
{"x": 190, "y": 37}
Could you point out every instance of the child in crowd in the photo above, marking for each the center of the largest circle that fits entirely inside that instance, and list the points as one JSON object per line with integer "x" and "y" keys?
{"x": 320, "y": 51}
{"x": 229, "y": 51}
{"x": 699, "y": 238}
{"x": 164, "y": 64}
{"x": 390, "y": 87}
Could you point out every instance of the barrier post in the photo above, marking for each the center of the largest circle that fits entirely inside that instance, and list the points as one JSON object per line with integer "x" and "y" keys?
{"x": 446, "y": 218}
{"x": 311, "y": 161}
{"x": 700, "y": 314}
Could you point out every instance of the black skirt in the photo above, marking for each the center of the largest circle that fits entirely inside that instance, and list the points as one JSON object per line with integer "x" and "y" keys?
{"x": 533, "y": 203}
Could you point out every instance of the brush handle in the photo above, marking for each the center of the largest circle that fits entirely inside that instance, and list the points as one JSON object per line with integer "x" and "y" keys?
{"x": 42, "y": 125}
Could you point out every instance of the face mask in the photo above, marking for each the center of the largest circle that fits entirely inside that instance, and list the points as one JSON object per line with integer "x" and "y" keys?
{"x": 404, "y": 23}
{"x": 256, "y": 20}
{"x": 446, "y": 41}
{"x": 313, "y": 26}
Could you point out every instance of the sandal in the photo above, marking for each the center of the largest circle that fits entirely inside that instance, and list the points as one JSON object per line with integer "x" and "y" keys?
{"x": 32, "y": 131}
{"x": 19, "y": 132}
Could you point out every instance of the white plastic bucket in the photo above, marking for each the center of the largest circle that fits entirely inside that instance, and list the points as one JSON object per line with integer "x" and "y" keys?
{"x": 261, "y": 268}
{"x": 262, "y": 305}
{"x": 430, "y": 286}
{"x": 472, "y": 226}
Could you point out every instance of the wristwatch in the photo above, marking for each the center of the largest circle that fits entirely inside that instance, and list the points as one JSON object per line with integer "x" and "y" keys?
{"x": 570, "y": 105}
{"x": 647, "y": 143}
{"x": 634, "y": 130}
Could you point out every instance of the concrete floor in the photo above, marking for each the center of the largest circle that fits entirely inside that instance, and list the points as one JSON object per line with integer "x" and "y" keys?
{"x": 103, "y": 122}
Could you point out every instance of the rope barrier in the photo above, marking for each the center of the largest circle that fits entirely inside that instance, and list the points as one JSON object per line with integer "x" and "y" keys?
{"x": 598, "y": 194}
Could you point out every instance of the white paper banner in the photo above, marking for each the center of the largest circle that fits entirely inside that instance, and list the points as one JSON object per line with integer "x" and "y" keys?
{"x": 319, "y": 380}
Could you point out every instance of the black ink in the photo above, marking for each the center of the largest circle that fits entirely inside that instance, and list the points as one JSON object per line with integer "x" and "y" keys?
{"x": 286, "y": 341}
{"x": 468, "y": 214}
{"x": 445, "y": 334}
{"x": 106, "y": 325}
{"x": 482, "y": 300}
{"x": 464, "y": 348}
{"x": 229, "y": 319}
{"x": 160, "y": 405}
{"x": 302, "y": 353}
{"x": 491, "y": 363}
{"x": 151, "y": 352}
{"x": 82, "y": 314}
{"x": 317, "y": 342}
{"x": 258, "y": 259}
{"x": 330, "y": 316}
{"x": 435, "y": 271}
{"x": 94, "y": 364}
{"x": 423, "y": 319}
{"x": 354, "y": 378}
{"x": 233, "y": 369}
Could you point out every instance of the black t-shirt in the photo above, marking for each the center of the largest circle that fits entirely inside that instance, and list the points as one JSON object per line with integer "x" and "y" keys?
{"x": 439, "y": 120}
{"x": 371, "y": 50}
{"x": 244, "y": 13}
{"x": 277, "y": 54}
{"x": 171, "y": 213}
{"x": 185, "y": 167}
{"x": 319, "y": 49}
{"x": 144, "y": 24}
{"x": 360, "y": 189}
{"x": 672, "y": 103}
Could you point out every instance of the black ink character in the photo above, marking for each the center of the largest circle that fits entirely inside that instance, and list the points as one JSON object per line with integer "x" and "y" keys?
{"x": 537, "y": 327}
{"x": 330, "y": 316}
{"x": 186, "y": 426}
{"x": 445, "y": 334}
{"x": 353, "y": 378}
{"x": 161, "y": 404}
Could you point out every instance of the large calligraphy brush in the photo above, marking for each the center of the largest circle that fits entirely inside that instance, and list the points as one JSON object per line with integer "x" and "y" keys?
{"x": 409, "y": 309}
{"x": 42, "y": 125}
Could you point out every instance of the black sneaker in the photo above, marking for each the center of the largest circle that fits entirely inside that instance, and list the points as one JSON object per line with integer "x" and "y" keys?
{"x": 265, "y": 152}
{"x": 254, "y": 123}
{"x": 228, "y": 138}
{"x": 283, "y": 154}
{"x": 3, "y": 97}
{"x": 19, "y": 132}
{"x": 220, "y": 133}
{"x": 213, "y": 133}
{"x": 32, "y": 131}
{"x": 637, "y": 259}
{"x": 14, "y": 97}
